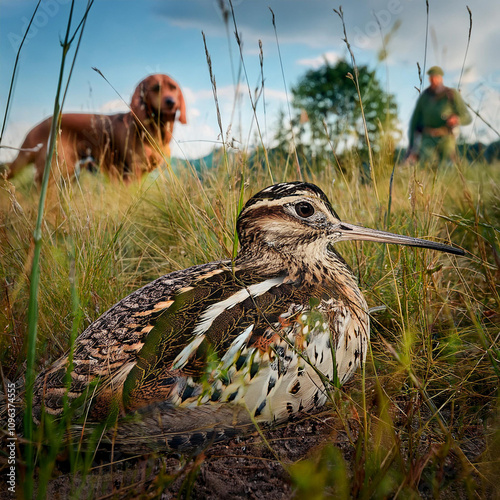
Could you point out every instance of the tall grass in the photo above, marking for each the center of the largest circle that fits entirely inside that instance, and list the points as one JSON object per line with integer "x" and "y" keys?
{"x": 432, "y": 372}
{"x": 421, "y": 419}
{"x": 35, "y": 264}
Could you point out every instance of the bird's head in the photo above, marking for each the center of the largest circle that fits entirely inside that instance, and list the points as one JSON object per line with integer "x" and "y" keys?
{"x": 296, "y": 220}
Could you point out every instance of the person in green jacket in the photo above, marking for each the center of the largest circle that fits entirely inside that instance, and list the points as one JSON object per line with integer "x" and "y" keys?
{"x": 438, "y": 113}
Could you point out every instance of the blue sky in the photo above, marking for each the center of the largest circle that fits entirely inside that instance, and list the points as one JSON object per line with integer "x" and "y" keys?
{"x": 129, "y": 39}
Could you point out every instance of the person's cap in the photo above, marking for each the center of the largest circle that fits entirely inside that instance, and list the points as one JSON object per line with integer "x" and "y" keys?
{"x": 435, "y": 70}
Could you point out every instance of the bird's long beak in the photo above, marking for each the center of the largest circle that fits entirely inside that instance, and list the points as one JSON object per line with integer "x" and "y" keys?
{"x": 352, "y": 232}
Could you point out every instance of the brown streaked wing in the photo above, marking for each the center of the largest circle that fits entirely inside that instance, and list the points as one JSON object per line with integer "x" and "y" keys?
{"x": 206, "y": 320}
{"x": 114, "y": 340}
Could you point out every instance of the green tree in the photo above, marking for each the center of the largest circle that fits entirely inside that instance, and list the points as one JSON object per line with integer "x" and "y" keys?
{"x": 329, "y": 110}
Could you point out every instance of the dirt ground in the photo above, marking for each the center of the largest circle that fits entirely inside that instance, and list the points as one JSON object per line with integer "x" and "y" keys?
{"x": 257, "y": 466}
{"x": 247, "y": 467}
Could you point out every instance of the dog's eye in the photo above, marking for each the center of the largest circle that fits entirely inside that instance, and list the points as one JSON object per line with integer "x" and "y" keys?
{"x": 304, "y": 209}
{"x": 156, "y": 88}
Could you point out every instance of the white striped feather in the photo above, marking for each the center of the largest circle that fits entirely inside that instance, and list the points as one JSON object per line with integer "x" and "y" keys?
{"x": 215, "y": 310}
{"x": 235, "y": 347}
{"x": 212, "y": 312}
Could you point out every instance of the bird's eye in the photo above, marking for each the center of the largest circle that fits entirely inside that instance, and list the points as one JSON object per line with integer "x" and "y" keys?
{"x": 304, "y": 209}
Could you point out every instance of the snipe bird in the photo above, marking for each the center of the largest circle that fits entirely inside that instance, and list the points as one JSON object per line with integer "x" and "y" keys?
{"x": 201, "y": 353}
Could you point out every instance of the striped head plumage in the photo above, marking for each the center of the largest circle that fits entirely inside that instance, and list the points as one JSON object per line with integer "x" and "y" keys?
{"x": 198, "y": 354}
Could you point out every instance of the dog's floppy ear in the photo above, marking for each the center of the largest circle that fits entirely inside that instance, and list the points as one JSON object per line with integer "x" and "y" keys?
{"x": 137, "y": 104}
{"x": 182, "y": 108}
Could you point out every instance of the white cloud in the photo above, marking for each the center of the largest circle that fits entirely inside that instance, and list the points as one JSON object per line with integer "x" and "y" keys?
{"x": 193, "y": 113}
{"x": 229, "y": 93}
{"x": 202, "y": 132}
{"x": 297, "y": 21}
{"x": 314, "y": 24}
{"x": 114, "y": 106}
{"x": 13, "y": 138}
{"x": 278, "y": 95}
{"x": 193, "y": 140}
{"x": 318, "y": 61}
{"x": 470, "y": 75}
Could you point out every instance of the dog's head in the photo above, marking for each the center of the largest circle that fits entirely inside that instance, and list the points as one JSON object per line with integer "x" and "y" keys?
{"x": 159, "y": 96}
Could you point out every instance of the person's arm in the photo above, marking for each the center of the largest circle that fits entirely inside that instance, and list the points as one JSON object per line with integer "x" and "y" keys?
{"x": 462, "y": 115}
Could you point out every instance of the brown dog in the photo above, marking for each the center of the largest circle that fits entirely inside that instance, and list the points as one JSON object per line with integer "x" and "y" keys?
{"x": 125, "y": 145}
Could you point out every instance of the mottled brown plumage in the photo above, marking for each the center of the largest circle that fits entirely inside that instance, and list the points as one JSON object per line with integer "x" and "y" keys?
{"x": 199, "y": 354}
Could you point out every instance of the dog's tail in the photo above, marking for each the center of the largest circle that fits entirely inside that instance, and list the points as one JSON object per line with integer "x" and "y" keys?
{"x": 27, "y": 155}
{"x": 4, "y": 170}
{"x": 33, "y": 148}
